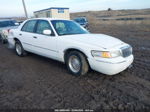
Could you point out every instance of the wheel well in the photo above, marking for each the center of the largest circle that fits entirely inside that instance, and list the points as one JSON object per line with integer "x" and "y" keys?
{"x": 70, "y": 50}
{"x": 15, "y": 39}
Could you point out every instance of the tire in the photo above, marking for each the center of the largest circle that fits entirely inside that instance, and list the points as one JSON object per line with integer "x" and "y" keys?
{"x": 0, "y": 37}
{"x": 77, "y": 63}
{"x": 19, "y": 49}
{"x": 4, "y": 41}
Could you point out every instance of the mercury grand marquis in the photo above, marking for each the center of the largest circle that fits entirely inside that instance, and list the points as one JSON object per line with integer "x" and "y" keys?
{"x": 68, "y": 42}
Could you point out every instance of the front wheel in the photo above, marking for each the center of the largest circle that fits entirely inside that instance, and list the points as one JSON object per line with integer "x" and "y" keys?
{"x": 19, "y": 49}
{"x": 77, "y": 63}
{"x": 4, "y": 41}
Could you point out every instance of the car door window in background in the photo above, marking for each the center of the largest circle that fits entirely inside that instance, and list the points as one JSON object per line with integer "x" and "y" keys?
{"x": 6, "y": 23}
{"x": 29, "y": 26}
{"x": 43, "y": 25}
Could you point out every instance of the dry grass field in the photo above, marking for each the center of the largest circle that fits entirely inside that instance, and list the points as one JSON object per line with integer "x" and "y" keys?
{"x": 118, "y": 17}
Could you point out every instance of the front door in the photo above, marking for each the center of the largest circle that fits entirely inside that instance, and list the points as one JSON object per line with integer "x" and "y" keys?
{"x": 45, "y": 45}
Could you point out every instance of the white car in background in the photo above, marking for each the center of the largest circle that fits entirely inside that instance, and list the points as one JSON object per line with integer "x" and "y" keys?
{"x": 68, "y": 42}
{"x": 5, "y": 26}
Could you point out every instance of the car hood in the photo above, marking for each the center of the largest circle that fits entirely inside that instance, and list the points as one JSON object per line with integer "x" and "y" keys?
{"x": 100, "y": 40}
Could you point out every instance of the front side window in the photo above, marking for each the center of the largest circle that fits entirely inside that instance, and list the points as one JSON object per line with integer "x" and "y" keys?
{"x": 65, "y": 27}
{"x": 29, "y": 26}
{"x": 43, "y": 25}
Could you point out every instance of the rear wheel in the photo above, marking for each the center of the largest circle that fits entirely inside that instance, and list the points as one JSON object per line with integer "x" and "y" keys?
{"x": 77, "y": 63}
{"x": 19, "y": 49}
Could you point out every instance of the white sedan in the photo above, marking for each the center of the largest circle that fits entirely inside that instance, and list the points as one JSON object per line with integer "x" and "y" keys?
{"x": 5, "y": 26}
{"x": 68, "y": 42}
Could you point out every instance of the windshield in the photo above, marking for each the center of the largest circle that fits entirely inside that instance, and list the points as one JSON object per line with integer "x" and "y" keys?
{"x": 6, "y": 23}
{"x": 65, "y": 27}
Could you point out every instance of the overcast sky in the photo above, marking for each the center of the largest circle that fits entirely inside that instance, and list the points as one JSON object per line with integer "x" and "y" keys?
{"x": 9, "y": 8}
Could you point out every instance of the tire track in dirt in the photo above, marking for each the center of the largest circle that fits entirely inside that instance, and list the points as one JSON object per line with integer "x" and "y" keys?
{"x": 37, "y": 82}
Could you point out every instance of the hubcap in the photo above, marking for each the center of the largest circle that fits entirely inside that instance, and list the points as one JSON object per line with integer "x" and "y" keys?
{"x": 74, "y": 64}
{"x": 18, "y": 49}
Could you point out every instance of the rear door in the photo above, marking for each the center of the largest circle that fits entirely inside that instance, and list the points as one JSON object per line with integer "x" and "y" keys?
{"x": 27, "y": 35}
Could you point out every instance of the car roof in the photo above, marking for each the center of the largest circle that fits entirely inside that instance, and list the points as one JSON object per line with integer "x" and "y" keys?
{"x": 6, "y": 20}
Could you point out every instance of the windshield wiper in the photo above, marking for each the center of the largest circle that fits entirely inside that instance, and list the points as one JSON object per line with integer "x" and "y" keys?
{"x": 66, "y": 34}
{"x": 72, "y": 34}
{"x": 63, "y": 34}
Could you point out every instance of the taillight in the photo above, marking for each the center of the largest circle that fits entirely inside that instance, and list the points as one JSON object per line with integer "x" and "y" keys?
{"x": 8, "y": 30}
{"x": 11, "y": 32}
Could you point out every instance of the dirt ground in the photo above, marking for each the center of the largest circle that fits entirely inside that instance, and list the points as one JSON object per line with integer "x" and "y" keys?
{"x": 35, "y": 82}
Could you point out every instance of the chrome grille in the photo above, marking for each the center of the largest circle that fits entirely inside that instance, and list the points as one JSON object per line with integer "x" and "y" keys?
{"x": 126, "y": 51}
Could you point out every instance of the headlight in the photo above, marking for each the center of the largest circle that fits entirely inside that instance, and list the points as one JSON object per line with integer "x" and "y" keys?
{"x": 115, "y": 54}
{"x": 105, "y": 54}
{"x": 5, "y": 32}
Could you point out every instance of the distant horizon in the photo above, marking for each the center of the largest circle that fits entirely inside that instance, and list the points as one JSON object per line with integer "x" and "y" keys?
{"x": 73, "y": 12}
{"x": 14, "y": 8}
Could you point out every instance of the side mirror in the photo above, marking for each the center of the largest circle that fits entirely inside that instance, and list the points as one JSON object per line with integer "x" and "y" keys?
{"x": 17, "y": 24}
{"x": 47, "y": 32}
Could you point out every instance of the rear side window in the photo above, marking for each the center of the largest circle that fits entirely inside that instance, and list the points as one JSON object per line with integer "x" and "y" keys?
{"x": 29, "y": 26}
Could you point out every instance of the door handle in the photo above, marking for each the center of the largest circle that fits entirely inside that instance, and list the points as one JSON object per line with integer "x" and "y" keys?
{"x": 34, "y": 37}
{"x": 20, "y": 34}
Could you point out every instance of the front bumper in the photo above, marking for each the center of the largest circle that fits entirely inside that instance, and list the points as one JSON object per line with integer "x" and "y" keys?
{"x": 110, "y": 67}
